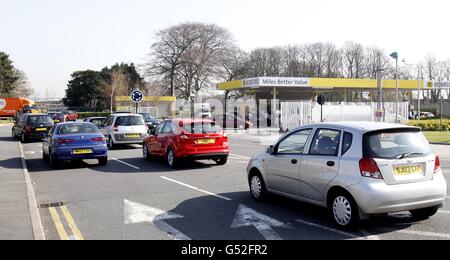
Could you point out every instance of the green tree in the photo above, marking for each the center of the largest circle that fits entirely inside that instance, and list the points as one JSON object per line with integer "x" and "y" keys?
{"x": 84, "y": 91}
{"x": 9, "y": 75}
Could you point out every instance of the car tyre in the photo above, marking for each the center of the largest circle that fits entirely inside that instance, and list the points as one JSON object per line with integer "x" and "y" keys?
{"x": 257, "y": 187}
{"x": 44, "y": 156}
{"x": 103, "y": 161}
{"x": 424, "y": 214}
{"x": 171, "y": 159}
{"x": 23, "y": 138}
{"x": 52, "y": 162}
{"x": 222, "y": 160}
{"x": 344, "y": 211}
{"x": 111, "y": 144}
{"x": 146, "y": 153}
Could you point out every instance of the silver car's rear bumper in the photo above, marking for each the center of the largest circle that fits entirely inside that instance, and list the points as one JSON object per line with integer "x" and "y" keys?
{"x": 376, "y": 197}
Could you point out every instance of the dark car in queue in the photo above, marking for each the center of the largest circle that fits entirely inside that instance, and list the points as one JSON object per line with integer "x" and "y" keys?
{"x": 74, "y": 142}
{"x": 57, "y": 117}
{"x": 150, "y": 120}
{"x": 98, "y": 121}
{"x": 32, "y": 127}
{"x": 230, "y": 121}
{"x": 187, "y": 139}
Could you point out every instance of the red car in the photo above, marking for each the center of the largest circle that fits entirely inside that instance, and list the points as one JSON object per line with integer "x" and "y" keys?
{"x": 178, "y": 139}
{"x": 70, "y": 116}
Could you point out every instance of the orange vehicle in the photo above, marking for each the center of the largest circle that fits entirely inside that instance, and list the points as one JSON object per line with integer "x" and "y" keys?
{"x": 9, "y": 107}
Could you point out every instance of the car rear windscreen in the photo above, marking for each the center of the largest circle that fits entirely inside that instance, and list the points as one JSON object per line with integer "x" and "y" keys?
{"x": 78, "y": 129}
{"x": 202, "y": 128}
{"x": 39, "y": 120}
{"x": 396, "y": 144}
{"x": 130, "y": 121}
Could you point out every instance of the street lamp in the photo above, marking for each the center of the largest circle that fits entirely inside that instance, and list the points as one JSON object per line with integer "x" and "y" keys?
{"x": 419, "y": 78}
{"x": 394, "y": 55}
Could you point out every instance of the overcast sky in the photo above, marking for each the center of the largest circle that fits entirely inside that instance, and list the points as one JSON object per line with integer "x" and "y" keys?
{"x": 49, "y": 39}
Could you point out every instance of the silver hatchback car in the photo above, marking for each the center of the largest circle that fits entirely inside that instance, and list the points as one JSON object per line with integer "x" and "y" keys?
{"x": 355, "y": 169}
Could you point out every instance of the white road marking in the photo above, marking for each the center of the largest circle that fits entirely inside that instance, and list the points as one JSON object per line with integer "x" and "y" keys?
{"x": 196, "y": 189}
{"x": 246, "y": 217}
{"x": 29, "y": 152}
{"x": 448, "y": 197}
{"x": 135, "y": 213}
{"x": 127, "y": 164}
{"x": 240, "y": 157}
{"x": 369, "y": 236}
{"x": 444, "y": 211}
{"x": 346, "y": 234}
{"x": 419, "y": 233}
{"x": 36, "y": 221}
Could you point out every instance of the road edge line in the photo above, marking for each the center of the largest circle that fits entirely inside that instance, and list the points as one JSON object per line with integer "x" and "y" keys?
{"x": 36, "y": 221}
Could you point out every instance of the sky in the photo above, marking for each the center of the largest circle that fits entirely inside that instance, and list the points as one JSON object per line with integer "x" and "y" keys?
{"x": 50, "y": 39}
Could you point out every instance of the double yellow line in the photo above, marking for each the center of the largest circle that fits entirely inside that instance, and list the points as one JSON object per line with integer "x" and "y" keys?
{"x": 60, "y": 226}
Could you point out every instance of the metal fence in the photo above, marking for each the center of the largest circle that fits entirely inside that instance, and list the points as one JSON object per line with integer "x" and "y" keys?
{"x": 295, "y": 114}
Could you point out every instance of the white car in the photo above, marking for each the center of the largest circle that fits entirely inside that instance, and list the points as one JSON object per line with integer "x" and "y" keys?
{"x": 355, "y": 169}
{"x": 124, "y": 129}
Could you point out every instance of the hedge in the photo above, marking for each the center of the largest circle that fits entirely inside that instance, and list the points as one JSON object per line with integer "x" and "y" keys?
{"x": 83, "y": 115}
{"x": 431, "y": 125}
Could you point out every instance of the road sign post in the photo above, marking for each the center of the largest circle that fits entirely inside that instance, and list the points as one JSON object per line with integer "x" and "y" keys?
{"x": 137, "y": 96}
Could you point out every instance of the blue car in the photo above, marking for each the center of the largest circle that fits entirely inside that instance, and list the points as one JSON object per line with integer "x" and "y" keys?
{"x": 74, "y": 141}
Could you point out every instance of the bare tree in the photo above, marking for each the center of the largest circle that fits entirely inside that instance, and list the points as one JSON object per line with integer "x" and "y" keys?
{"x": 353, "y": 55}
{"x": 117, "y": 85}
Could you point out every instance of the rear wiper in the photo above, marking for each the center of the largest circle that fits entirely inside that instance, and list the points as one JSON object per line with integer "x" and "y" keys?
{"x": 405, "y": 155}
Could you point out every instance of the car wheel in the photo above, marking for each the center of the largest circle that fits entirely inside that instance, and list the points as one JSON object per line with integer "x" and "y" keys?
{"x": 103, "y": 161}
{"x": 52, "y": 162}
{"x": 146, "y": 153}
{"x": 344, "y": 210}
{"x": 23, "y": 138}
{"x": 171, "y": 159}
{"x": 111, "y": 144}
{"x": 44, "y": 155}
{"x": 257, "y": 187}
{"x": 222, "y": 160}
{"x": 424, "y": 214}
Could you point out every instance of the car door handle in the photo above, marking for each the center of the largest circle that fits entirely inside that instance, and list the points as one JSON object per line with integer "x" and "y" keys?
{"x": 331, "y": 163}
{"x": 294, "y": 161}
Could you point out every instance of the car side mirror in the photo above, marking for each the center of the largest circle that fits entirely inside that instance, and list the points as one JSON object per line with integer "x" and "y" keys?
{"x": 271, "y": 150}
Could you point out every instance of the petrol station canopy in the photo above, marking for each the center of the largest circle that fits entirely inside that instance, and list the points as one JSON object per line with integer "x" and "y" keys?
{"x": 329, "y": 84}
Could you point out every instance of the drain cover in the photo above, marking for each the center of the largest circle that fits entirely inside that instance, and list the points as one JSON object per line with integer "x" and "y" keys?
{"x": 52, "y": 205}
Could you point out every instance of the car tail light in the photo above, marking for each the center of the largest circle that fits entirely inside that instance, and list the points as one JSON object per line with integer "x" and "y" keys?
{"x": 116, "y": 128}
{"x": 64, "y": 141}
{"x": 437, "y": 165}
{"x": 28, "y": 129}
{"x": 369, "y": 168}
{"x": 98, "y": 139}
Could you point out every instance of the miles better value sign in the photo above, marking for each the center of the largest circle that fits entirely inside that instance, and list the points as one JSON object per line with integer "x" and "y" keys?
{"x": 276, "y": 82}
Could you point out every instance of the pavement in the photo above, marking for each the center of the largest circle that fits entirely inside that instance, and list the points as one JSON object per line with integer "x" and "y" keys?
{"x": 131, "y": 198}
{"x": 15, "y": 218}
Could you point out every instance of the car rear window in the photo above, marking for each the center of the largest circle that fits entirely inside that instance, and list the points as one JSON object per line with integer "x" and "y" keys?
{"x": 78, "y": 129}
{"x": 130, "y": 121}
{"x": 202, "y": 128}
{"x": 396, "y": 144}
{"x": 33, "y": 120}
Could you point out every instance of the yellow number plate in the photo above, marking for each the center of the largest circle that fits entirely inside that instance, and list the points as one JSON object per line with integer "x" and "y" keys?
{"x": 408, "y": 170}
{"x": 41, "y": 129}
{"x": 82, "y": 151}
{"x": 206, "y": 141}
{"x": 133, "y": 136}
{"x": 56, "y": 121}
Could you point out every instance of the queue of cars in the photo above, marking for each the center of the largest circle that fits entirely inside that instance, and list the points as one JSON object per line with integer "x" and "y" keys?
{"x": 354, "y": 169}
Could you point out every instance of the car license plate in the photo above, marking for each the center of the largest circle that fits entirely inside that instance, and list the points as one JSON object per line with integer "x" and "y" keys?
{"x": 408, "y": 170}
{"x": 133, "y": 136}
{"x": 82, "y": 151}
{"x": 41, "y": 129}
{"x": 206, "y": 141}
{"x": 56, "y": 121}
